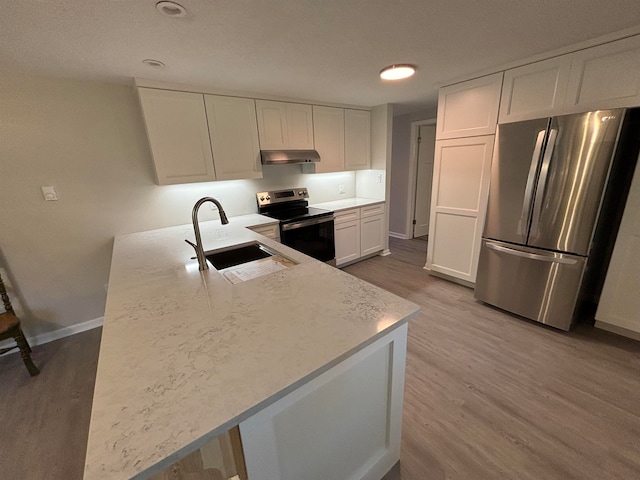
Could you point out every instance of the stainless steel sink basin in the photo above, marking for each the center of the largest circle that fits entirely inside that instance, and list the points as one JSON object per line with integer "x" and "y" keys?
{"x": 237, "y": 255}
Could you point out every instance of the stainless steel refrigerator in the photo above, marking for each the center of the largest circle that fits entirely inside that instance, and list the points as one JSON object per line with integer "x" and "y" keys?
{"x": 555, "y": 200}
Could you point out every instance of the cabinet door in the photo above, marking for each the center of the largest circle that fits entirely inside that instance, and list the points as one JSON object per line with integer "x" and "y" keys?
{"x": 357, "y": 139}
{"x": 458, "y": 205}
{"x": 620, "y": 303}
{"x": 328, "y": 132}
{"x": 535, "y": 91}
{"x": 371, "y": 235}
{"x": 272, "y": 125}
{"x": 607, "y": 76}
{"x": 177, "y": 130}
{"x": 347, "y": 241}
{"x": 300, "y": 126}
{"x": 234, "y": 137}
{"x": 469, "y": 108}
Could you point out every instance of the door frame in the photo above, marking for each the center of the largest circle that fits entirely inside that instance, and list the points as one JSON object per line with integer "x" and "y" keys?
{"x": 413, "y": 173}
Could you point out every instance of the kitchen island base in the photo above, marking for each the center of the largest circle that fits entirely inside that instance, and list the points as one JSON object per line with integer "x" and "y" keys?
{"x": 343, "y": 425}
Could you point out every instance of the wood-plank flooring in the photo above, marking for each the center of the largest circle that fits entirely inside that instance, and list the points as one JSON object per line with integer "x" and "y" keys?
{"x": 487, "y": 395}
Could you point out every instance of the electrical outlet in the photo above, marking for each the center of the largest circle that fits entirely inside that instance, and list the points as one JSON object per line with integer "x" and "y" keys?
{"x": 379, "y": 178}
{"x": 341, "y": 189}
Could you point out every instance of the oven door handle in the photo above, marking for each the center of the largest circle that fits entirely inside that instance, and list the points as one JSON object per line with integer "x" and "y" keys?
{"x": 305, "y": 223}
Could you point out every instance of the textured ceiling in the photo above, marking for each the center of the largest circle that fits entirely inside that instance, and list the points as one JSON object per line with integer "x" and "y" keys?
{"x": 327, "y": 50}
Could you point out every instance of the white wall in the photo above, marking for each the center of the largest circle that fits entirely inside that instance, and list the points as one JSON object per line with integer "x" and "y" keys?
{"x": 400, "y": 158}
{"x": 87, "y": 139}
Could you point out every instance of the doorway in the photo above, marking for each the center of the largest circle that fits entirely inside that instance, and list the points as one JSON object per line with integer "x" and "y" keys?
{"x": 423, "y": 147}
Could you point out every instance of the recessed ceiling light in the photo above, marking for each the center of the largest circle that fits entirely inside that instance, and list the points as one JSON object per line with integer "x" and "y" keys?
{"x": 171, "y": 9}
{"x": 397, "y": 72}
{"x": 153, "y": 63}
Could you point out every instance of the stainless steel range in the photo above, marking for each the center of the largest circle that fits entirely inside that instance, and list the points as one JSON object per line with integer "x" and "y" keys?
{"x": 306, "y": 229}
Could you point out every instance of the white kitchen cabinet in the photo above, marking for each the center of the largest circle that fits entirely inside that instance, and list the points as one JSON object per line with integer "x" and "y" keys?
{"x": 269, "y": 231}
{"x": 284, "y": 126}
{"x": 458, "y": 205}
{"x": 328, "y": 132}
{"x": 536, "y": 90}
{"x": 234, "y": 137}
{"x": 469, "y": 108}
{"x": 606, "y": 76}
{"x": 372, "y": 231}
{"x": 347, "y": 235}
{"x": 619, "y": 306}
{"x": 357, "y": 139}
{"x": 178, "y": 134}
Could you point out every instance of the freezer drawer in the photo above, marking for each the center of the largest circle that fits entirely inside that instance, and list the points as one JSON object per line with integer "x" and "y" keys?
{"x": 536, "y": 284}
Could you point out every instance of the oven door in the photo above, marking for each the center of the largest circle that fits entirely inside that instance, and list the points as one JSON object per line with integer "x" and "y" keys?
{"x": 312, "y": 236}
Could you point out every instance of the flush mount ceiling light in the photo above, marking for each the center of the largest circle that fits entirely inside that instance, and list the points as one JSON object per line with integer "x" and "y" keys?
{"x": 171, "y": 9}
{"x": 153, "y": 63}
{"x": 397, "y": 72}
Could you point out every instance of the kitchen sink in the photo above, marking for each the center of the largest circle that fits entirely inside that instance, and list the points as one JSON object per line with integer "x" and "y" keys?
{"x": 237, "y": 255}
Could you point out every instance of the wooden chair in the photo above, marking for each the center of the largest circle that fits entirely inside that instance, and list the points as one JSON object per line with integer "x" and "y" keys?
{"x": 10, "y": 328}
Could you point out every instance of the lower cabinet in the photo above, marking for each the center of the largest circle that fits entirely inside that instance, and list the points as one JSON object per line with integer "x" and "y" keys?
{"x": 359, "y": 232}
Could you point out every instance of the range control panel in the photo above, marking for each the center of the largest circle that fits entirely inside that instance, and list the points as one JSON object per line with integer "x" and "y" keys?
{"x": 278, "y": 196}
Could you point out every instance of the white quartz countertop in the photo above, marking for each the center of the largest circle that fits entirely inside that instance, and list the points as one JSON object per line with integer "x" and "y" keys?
{"x": 345, "y": 204}
{"x": 185, "y": 355}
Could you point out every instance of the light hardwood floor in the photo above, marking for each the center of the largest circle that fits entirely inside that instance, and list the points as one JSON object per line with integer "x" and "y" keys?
{"x": 487, "y": 395}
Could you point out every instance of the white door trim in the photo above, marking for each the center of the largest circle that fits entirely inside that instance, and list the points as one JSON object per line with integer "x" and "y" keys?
{"x": 413, "y": 172}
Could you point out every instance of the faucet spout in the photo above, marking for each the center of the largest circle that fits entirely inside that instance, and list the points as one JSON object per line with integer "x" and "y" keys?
{"x": 202, "y": 261}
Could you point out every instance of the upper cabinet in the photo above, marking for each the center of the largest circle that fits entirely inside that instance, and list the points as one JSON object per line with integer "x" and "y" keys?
{"x": 284, "y": 126}
{"x": 469, "y": 108}
{"x": 200, "y": 138}
{"x": 328, "y": 131}
{"x": 178, "y": 135}
{"x": 536, "y": 90}
{"x": 234, "y": 137}
{"x": 357, "y": 139}
{"x": 602, "y": 77}
{"x": 606, "y": 76}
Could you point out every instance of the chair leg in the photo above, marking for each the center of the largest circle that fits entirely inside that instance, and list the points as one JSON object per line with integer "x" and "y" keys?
{"x": 25, "y": 352}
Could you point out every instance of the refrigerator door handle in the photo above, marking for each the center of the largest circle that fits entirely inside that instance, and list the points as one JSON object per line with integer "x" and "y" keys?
{"x": 532, "y": 256}
{"x": 528, "y": 192}
{"x": 542, "y": 182}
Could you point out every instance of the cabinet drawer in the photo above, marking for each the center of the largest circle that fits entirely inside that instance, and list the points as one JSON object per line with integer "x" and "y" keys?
{"x": 372, "y": 210}
{"x": 269, "y": 231}
{"x": 347, "y": 215}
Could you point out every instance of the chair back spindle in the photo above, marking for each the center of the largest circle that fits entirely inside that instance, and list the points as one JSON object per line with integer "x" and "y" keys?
{"x": 5, "y": 297}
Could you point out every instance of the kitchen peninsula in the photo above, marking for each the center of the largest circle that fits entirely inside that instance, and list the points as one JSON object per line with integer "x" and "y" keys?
{"x": 308, "y": 361}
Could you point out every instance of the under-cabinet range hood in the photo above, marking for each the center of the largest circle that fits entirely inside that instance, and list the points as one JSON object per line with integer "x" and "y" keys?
{"x": 284, "y": 157}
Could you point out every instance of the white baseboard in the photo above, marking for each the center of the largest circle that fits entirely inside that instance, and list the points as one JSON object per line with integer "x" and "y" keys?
{"x": 58, "y": 334}
{"x": 401, "y": 236}
{"x": 385, "y": 252}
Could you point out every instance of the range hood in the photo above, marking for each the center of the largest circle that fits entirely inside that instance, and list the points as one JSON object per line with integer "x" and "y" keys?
{"x": 284, "y": 157}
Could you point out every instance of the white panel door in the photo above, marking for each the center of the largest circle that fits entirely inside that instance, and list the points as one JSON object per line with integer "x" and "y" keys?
{"x": 606, "y": 76}
{"x": 424, "y": 180}
{"x": 469, "y": 108}
{"x": 234, "y": 137}
{"x": 178, "y": 135}
{"x": 458, "y": 205}
{"x": 371, "y": 235}
{"x": 347, "y": 238}
{"x": 328, "y": 132}
{"x": 300, "y": 126}
{"x": 272, "y": 125}
{"x": 357, "y": 139}
{"x": 620, "y": 303}
{"x": 536, "y": 90}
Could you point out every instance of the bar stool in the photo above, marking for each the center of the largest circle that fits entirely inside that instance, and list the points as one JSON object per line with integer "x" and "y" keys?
{"x": 10, "y": 328}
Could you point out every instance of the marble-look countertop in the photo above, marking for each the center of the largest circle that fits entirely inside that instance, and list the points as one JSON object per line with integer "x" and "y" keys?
{"x": 185, "y": 355}
{"x": 347, "y": 203}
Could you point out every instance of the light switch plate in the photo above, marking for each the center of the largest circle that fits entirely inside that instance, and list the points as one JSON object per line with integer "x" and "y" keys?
{"x": 340, "y": 188}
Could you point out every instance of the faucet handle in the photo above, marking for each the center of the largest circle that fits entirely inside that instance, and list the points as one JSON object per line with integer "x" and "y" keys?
{"x": 192, "y": 244}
